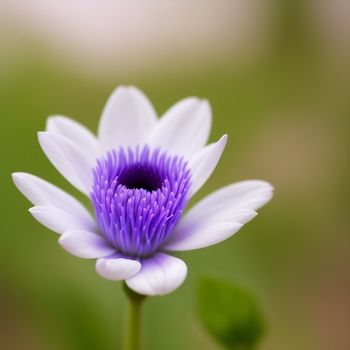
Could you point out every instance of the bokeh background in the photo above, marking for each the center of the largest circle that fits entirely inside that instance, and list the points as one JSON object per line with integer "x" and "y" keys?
{"x": 277, "y": 73}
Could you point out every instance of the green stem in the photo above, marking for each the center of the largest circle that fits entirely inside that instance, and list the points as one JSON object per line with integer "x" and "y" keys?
{"x": 133, "y": 329}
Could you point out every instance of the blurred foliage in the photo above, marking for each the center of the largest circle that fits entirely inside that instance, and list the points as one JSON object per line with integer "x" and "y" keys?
{"x": 230, "y": 314}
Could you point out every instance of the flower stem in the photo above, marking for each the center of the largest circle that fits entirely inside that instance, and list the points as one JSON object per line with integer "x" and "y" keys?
{"x": 133, "y": 331}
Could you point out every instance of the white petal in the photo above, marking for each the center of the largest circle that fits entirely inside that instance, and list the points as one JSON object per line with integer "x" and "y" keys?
{"x": 116, "y": 267}
{"x": 42, "y": 193}
{"x": 127, "y": 119}
{"x": 184, "y": 128}
{"x": 159, "y": 275}
{"x": 85, "y": 244}
{"x": 219, "y": 215}
{"x": 249, "y": 194}
{"x": 61, "y": 221}
{"x": 68, "y": 160}
{"x": 203, "y": 163}
{"x": 76, "y": 133}
{"x": 202, "y": 236}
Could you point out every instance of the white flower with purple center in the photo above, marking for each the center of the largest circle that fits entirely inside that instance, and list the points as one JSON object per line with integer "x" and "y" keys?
{"x": 139, "y": 173}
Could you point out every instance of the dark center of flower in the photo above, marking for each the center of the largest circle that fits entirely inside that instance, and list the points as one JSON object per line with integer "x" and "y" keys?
{"x": 141, "y": 176}
{"x": 138, "y": 197}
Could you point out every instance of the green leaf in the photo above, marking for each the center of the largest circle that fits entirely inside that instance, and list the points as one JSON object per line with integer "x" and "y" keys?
{"x": 230, "y": 314}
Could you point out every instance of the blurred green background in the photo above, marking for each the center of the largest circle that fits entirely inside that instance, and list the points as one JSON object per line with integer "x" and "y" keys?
{"x": 277, "y": 75}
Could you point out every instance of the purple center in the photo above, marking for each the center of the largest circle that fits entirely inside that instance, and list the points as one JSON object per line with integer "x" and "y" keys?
{"x": 138, "y": 197}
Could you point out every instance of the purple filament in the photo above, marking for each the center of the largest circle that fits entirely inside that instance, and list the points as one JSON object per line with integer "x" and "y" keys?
{"x": 138, "y": 197}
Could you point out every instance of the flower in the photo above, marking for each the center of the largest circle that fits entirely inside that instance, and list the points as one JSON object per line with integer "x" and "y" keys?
{"x": 139, "y": 173}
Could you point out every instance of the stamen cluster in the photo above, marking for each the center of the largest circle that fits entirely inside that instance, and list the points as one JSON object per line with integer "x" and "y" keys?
{"x": 138, "y": 197}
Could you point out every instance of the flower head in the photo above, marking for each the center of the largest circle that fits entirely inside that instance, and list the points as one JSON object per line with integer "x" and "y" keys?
{"x": 139, "y": 173}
